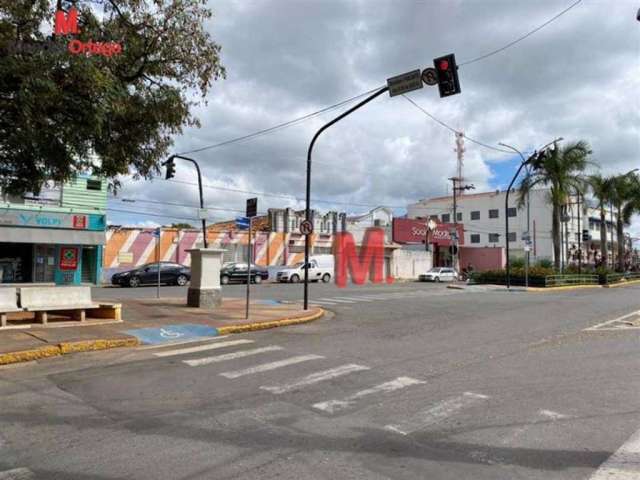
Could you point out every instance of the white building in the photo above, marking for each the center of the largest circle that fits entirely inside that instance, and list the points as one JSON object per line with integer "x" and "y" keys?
{"x": 483, "y": 216}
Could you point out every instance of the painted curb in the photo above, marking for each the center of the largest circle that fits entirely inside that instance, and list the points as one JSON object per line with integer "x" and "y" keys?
{"x": 251, "y": 327}
{"x": 555, "y": 289}
{"x": 66, "y": 348}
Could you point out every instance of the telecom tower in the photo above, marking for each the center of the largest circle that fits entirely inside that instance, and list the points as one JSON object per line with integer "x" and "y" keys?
{"x": 460, "y": 154}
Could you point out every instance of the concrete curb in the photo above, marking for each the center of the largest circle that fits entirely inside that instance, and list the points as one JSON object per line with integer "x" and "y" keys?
{"x": 564, "y": 287}
{"x": 622, "y": 284}
{"x": 251, "y": 327}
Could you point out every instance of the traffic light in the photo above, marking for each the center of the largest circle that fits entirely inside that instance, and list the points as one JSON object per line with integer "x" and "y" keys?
{"x": 585, "y": 236}
{"x": 447, "y": 72}
{"x": 171, "y": 169}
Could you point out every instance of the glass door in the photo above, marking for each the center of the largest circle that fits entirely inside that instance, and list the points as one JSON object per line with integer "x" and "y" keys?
{"x": 44, "y": 263}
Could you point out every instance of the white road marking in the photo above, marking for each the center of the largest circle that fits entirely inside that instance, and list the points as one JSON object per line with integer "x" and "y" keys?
{"x": 624, "y": 464}
{"x": 436, "y": 413}
{"x": 17, "y": 474}
{"x": 316, "y": 377}
{"x": 323, "y": 302}
{"x": 552, "y": 415}
{"x": 183, "y": 342}
{"x": 202, "y": 348}
{"x": 357, "y": 299}
{"x": 335, "y": 301}
{"x": 332, "y": 406}
{"x": 265, "y": 367}
{"x": 231, "y": 356}
{"x": 603, "y": 325}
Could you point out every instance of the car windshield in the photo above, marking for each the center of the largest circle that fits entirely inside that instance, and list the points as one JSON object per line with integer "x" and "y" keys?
{"x": 434, "y": 270}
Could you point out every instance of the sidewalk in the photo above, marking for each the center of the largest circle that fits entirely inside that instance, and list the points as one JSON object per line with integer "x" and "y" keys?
{"x": 149, "y": 321}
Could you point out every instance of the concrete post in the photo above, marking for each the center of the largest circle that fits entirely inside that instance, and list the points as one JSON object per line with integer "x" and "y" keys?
{"x": 205, "y": 291}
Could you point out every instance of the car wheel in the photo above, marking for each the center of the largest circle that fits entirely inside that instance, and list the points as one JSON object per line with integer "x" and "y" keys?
{"x": 134, "y": 282}
{"x": 257, "y": 279}
{"x": 224, "y": 280}
{"x": 295, "y": 278}
{"x": 438, "y": 279}
{"x": 326, "y": 278}
{"x": 182, "y": 280}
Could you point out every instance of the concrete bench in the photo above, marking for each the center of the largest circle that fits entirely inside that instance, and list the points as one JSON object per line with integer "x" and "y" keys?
{"x": 8, "y": 303}
{"x": 68, "y": 301}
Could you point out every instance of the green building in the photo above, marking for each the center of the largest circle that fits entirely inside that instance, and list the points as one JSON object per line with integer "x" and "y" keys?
{"x": 56, "y": 237}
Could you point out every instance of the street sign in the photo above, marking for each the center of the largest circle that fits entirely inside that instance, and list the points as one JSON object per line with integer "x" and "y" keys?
{"x": 306, "y": 227}
{"x": 407, "y": 82}
{"x": 527, "y": 248}
{"x": 242, "y": 223}
{"x": 430, "y": 76}
{"x": 156, "y": 233}
{"x": 203, "y": 213}
{"x": 252, "y": 207}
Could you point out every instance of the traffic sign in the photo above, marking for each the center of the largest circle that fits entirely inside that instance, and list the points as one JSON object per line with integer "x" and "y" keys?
{"x": 203, "y": 213}
{"x": 430, "y": 76}
{"x": 252, "y": 207}
{"x": 306, "y": 227}
{"x": 407, "y": 82}
{"x": 242, "y": 223}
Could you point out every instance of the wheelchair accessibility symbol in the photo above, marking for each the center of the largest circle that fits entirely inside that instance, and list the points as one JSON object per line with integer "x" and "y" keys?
{"x": 165, "y": 333}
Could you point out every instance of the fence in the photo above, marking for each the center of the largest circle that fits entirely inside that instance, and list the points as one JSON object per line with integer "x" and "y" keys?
{"x": 563, "y": 280}
{"x": 621, "y": 277}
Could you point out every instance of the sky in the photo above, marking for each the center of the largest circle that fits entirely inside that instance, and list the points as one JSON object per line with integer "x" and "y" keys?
{"x": 576, "y": 78}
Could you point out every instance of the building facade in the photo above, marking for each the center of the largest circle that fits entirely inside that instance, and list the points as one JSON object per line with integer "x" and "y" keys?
{"x": 57, "y": 237}
{"x": 483, "y": 216}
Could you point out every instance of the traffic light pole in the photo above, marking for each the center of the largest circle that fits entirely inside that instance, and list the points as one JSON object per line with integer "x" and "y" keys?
{"x": 307, "y": 240}
{"x": 204, "y": 221}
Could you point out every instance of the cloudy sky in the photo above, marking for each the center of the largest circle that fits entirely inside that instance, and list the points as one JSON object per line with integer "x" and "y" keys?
{"x": 578, "y": 78}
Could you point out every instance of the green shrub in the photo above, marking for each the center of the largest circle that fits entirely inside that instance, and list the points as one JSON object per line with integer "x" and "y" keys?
{"x": 544, "y": 263}
{"x": 517, "y": 262}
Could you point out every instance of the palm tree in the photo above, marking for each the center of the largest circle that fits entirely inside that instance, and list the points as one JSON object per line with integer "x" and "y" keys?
{"x": 625, "y": 196}
{"x": 602, "y": 190}
{"x": 560, "y": 170}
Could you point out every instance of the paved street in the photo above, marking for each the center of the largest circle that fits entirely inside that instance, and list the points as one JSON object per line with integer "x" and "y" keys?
{"x": 403, "y": 382}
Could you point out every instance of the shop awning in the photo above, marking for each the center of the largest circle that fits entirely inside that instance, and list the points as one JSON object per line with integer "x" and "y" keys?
{"x": 51, "y": 236}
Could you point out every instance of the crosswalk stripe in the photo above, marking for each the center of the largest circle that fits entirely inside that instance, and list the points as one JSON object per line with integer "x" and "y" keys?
{"x": 332, "y": 406}
{"x": 316, "y": 378}
{"x": 436, "y": 413}
{"x": 202, "y": 348}
{"x": 357, "y": 299}
{"x": 231, "y": 356}
{"x": 271, "y": 366}
{"x": 17, "y": 474}
{"x": 334, "y": 300}
{"x": 624, "y": 464}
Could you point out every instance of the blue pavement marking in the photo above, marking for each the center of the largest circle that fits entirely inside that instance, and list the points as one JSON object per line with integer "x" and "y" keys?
{"x": 267, "y": 302}
{"x": 172, "y": 333}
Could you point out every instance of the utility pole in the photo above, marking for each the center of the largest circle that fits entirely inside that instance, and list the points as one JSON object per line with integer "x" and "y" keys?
{"x": 460, "y": 155}
{"x": 454, "y": 232}
{"x": 579, "y": 236}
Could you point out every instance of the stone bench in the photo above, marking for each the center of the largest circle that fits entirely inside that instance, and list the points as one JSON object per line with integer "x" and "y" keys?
{"x": 8, "y": 303}
{"x": 67, "y": 301}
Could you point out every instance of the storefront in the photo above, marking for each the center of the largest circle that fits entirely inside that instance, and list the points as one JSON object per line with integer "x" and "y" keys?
{"x": 38, "y": 246}
{"x": 439, "y": 239}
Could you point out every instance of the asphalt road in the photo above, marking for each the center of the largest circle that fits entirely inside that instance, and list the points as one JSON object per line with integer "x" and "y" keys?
{"x": 407, "y": 381}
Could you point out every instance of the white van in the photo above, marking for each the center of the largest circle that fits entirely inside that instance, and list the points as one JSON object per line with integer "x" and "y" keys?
{"x": 320, "y": 269}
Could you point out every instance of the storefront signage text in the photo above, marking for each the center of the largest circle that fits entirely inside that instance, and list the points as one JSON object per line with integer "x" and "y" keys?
{"x": 67, "y": 24}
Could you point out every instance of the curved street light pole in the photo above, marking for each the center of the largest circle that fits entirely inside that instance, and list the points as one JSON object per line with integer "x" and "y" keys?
{"x": 307, "y": 211}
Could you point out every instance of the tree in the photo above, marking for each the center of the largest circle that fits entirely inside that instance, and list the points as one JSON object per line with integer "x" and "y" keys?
{"x": 181, "y": 225}
{"x": 602, "y": 188}
{"x": 559, "y": 170}
{"x": 625, "y": 197}
{"x": 61, "y": 112}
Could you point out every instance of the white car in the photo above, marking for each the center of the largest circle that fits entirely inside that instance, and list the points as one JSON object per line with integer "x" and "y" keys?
{"x": 320, "y": 269}
{"x": 439, "y": 274}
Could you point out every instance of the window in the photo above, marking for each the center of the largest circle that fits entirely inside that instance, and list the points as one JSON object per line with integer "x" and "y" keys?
{"x": 512, "y": 236}
{"x": 494, "y": 237}
{"x": 446, "y": 218}
{"x": 94, "y": 185}
{"x": 475, "y": 215}
{"x": 512, "y": 211}
{"x": 475, "y": 238}
{"x": 459, "y": 216}
{"x": 494, "y": 213}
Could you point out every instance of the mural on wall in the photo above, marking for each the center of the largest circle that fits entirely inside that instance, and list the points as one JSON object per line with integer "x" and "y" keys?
{"x": 128, "y": 248}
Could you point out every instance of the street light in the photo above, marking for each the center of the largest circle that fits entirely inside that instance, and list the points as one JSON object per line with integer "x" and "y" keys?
{"x": 506, "y": 201}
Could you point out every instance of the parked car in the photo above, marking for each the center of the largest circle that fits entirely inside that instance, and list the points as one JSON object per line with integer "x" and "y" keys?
{"x": 320, "y": 269}
{"x": 170, "y": 273}
{"x": 439, "y": 274}
{"x": 237, "y": 273}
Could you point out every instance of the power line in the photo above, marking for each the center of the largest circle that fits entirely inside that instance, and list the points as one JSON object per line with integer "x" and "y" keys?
{"x": 478, "y": 142}
{"x": 281, "y": 125}
{"x": 519, "y": 39}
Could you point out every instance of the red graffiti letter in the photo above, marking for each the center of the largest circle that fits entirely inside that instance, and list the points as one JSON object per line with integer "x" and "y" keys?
{"x": 369, "y": 263}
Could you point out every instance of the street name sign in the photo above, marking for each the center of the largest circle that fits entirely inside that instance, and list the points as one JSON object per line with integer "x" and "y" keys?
{"x": 242, "y": 223}
{"x": 407, "y": 82}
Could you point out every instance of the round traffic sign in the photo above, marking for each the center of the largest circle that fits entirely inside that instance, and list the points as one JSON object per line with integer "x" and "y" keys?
{"x": 430, "y": 76}
{"x": 306, "y": 227}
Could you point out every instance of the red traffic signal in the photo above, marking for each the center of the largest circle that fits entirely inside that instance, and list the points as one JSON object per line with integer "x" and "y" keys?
{"x": 447, "y": 71}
